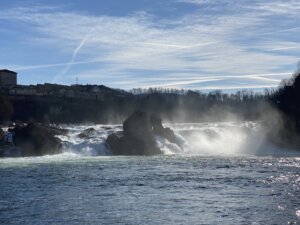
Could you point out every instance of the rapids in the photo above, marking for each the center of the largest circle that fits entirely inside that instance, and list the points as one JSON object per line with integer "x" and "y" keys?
{"x": 196, "y": 138}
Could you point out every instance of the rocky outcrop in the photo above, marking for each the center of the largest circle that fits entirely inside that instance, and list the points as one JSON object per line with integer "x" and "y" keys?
{"x": 86, "y": 133}
{"x": 164, "y": 132}
{"x": 138, "y": 136}
{"x": 37, "y": 140}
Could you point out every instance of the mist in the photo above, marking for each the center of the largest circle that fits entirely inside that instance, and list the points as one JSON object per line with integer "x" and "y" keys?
{"x": 229, "y": 123}
{"x": 232, "y": 134}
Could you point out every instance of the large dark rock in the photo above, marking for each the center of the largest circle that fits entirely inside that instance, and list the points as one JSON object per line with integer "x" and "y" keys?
{"x": 164, "y": 132}
{"x": 113, "y": 142}
{"x": 138, "y": 137}
{"x": 37, "y": 140}
{"x": 139, "y": 131}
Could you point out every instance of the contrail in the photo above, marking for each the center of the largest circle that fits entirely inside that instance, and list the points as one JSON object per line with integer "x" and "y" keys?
{"x": 75, "y": 53}
{"x": 180, "y": 46}
{"x": 284, "y": 48}
{"x": 33, "y": 67}
{"x": 81, "y": 44}
{"x": 190, "y": 82}
{"x": 264, "y": 77}
{"x": 237, "y": 87}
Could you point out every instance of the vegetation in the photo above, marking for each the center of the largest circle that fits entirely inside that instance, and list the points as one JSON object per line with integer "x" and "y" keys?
{"x": 171, "y": 104}
{"x": 287, "y": 99}
{"x": 282, "y": 121}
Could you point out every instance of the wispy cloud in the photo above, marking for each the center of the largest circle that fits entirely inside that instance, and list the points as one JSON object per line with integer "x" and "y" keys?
{"x": 75, "y": 53}
{"x": 287, "y": 7}
{"x": 203, "y": 47}
{"x": 43, "y": 66}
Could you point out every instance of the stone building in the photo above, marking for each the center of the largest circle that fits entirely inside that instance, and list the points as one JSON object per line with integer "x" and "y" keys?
{"x": 8, "y": 78}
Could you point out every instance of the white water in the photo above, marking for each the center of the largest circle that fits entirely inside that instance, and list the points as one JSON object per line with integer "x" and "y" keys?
{"x": 195, "y": 138}
{"x": 206, "y": 139}
{"x": 93, "y": 145}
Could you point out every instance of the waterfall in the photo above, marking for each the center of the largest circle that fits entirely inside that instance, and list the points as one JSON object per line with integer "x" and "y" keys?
{"x": 195, "y": 138}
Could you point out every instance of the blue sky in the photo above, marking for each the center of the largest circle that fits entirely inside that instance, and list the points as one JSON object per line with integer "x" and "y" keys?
{"x": 191, "y": 44}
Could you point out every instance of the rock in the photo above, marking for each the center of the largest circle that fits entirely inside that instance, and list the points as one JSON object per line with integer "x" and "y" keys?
{"x": 37, "y": 140}
{"x": 82, "y": 135}
{"x": 156, "y": 123}
{"x": 159, "y": 130}
{"x": 55, "y": 130}
{"x": 113, "y": 141}
{"x": 86, "y": 133}
{"x": 106, "y": 128}
{"x": 169, "y": 134}
{"x": 139, "y": 131}
{"x": 138, "y": 137}
{"x": 137, "y": 125}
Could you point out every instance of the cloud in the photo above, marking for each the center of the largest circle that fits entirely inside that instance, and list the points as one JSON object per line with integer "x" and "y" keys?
{"x": 199, "y": 2}
{"x": 142, "y": 48}
{"x": 75, "y": 53}
{"x": 34, "y": 67}
{"x": 237, "y": 87}
{"x": 287, "y": 7}
{"x": 184, "y": 80}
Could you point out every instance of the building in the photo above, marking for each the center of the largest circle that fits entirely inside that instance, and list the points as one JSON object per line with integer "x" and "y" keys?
{"x": 8, "y": 78}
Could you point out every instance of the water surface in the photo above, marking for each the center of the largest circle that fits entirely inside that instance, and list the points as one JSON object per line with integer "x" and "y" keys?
{"x": 222, "y": 173}
{"x": 167, "y": 189}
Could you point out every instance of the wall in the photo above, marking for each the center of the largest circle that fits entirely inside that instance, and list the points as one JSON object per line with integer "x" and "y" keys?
{"x": 8, "y": 79}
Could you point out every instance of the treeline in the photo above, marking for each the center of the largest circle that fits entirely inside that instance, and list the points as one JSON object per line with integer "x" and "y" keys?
{"x": 172, "y": 105}
{"x": 247, "y": 94}
{"x": 175, "y": 105}
{"x": 59, "y": 110}
{"x": 194, "y": 106}
{"x": 287, "y": 99}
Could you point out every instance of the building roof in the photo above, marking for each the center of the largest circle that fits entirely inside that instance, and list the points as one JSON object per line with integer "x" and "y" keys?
{"x": 8, "y": 71}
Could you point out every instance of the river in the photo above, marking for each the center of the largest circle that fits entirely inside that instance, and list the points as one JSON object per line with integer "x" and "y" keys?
{"x": 224, "y": 173}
